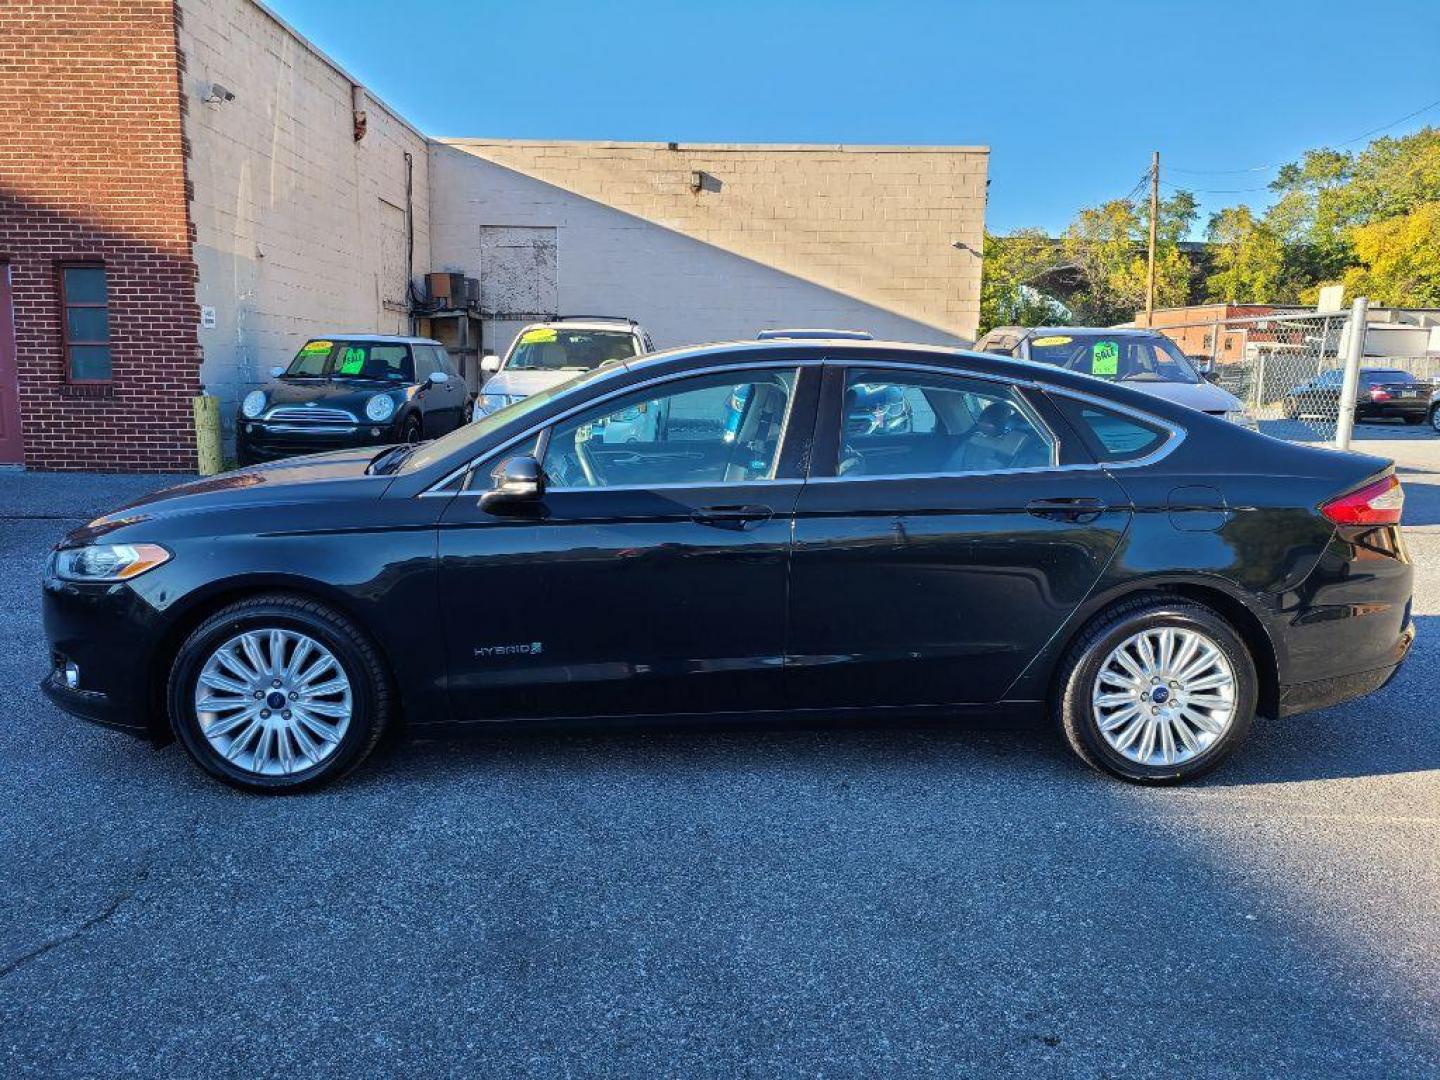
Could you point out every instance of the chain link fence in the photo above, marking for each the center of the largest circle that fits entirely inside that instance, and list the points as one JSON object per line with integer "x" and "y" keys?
{"x": 1289, "y": 370}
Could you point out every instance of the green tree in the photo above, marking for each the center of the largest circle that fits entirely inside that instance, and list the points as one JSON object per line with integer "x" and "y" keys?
{"x": 1107, "y": 243}
{"x": 1399, "y": 259}
{"x": 1249, "y": 258}
{"x": 1008, "y": 295}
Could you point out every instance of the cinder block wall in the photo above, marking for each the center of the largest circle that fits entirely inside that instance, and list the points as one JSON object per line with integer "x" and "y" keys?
{"x": 300, "y": 228}
{"x": 92, "y": 167}
{"x": 613, "y": 263}
{"x": 877, "y": 224}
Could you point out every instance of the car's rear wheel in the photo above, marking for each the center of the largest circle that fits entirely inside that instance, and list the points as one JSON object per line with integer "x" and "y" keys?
{"x": 1435, "y": 417}
{"x": 1156, "y": 691}
{"x": 278, "y": 693}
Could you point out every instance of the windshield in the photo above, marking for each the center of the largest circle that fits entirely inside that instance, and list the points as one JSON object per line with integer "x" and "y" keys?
{"x": 546, "y": 348}
{"x": 467, "y": 434}
{"x": 1116, "y": 357}
{"x": 382, "y": 360}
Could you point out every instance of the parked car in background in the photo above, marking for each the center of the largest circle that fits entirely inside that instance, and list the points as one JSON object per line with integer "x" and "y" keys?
{"x": 345, "y": 390}
{"x": 1038, "y": 542}
{"x": 1381, "y": 394}
{"x": 548, "y": 353}
{"x": 1435, "y": 410}
{"x": 1142, "y": 359}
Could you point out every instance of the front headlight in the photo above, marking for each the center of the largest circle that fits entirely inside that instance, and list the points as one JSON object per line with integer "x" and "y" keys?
{"x": 380, "y": 407}
{"x": 1238, "y": 416}
{"x": 253, "y": 404}
{"x": 108, "y": 562}
{"x": 489, "y": 403}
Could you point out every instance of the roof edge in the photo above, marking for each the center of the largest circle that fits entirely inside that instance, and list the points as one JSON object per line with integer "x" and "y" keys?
{"x": 719, "y": 148}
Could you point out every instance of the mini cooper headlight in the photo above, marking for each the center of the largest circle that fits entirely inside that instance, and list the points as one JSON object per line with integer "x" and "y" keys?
{"x": 108, "y": 562}
{"x": 253, "y": 404}
{"x": 489, "y": 403}
{"x": 380, "y": 407}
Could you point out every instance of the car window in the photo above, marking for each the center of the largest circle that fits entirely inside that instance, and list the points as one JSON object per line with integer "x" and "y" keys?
{"x": 447, "y": 365}
{"x": 712, "y": 429}
{"x": 908, "y": 423}
{"x": 424, "y": 362}
{"x": 1374, "y": 377}
{"x": 353, "y": 360}
{"x": 546, "y": 348}
{"x": 1115, "y": 357}
{"x": 1110, "y": 435}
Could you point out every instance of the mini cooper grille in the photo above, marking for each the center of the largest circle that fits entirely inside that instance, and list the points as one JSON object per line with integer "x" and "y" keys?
{"x": 315, "y": 415}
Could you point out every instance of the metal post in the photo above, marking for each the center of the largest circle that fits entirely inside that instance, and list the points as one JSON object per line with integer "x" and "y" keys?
{"x": 1150, "y": 259}
{"x": 1354, "y": 351}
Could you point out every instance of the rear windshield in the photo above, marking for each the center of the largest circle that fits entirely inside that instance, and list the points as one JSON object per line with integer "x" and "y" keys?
{"x": 381, "y": 360}
{"x": 546, "y": 348}
{"x": 1388, "y": 377}
{"x": 1116, "y": 357}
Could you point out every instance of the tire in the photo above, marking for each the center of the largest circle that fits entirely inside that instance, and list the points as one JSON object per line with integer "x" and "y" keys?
{"x": 1292, "y": 409}
{"x": 336, "y": 747}
{"x": 410, "y": 431}
{"x": 1081, "y": 670}
{"x": 1435, "y": 419}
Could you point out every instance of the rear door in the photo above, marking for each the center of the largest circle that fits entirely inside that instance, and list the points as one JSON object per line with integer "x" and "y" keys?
{"x": 930, "y": 567}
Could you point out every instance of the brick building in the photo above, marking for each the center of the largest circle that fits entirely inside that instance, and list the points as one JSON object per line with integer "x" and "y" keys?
{"x": 188, "y": 191}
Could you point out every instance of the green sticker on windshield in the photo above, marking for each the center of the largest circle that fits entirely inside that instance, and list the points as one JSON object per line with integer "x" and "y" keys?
{"x": 352, "y": 360}
{"x": 1104, "y": 358}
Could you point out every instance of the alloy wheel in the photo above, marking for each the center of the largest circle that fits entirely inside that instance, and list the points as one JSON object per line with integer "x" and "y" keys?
{"x": 1164, "y": 696}
{"x": 273, "y": 702}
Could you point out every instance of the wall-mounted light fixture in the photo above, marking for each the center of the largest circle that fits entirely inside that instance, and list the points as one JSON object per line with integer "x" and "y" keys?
{"x": 216, "y": 94}
{"x": 703, "y": 181}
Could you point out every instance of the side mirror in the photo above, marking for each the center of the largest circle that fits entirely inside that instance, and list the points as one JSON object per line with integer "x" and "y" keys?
{"x": 519, "y": 481}
{"x": 439, "y": 377}
{"x": 277, "y": 371}
{"x": 490, "y": 363}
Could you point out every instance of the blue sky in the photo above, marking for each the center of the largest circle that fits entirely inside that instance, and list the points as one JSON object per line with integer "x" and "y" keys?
{"x": 1071, "y": 97}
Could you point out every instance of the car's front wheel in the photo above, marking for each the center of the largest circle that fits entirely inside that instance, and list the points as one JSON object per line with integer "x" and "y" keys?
{"x": 1435, "y": 417}
{"x": 278, "y": 693}
{"x": 1156, "y": 690}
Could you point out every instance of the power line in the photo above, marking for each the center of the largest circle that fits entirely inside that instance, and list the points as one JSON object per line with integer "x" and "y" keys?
{"x": 1275, "y": 165}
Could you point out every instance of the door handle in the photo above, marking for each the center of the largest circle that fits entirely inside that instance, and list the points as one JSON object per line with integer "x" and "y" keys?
{"x": 731, "y": 517}
{"x": 1082, "y": 509}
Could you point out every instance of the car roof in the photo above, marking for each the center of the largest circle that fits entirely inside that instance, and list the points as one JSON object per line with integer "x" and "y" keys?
{"x": 397, "y": 339}
{"x": 598, "y": 322}
{"x": 1117, "y": 331}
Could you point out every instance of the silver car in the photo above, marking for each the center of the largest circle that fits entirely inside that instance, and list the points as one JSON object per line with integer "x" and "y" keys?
{"x": 548, "y": 353}
{"x": 1144, "y": 359}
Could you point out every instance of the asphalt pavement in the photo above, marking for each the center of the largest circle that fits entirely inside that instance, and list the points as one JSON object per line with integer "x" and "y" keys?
{"x": 823, "y": 902}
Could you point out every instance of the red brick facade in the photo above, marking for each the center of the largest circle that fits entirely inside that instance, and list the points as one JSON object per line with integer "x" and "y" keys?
{"x": 92, "y": 167}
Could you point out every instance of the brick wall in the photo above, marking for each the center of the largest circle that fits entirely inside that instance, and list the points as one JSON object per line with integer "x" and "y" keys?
{"x": 876, "y": 223}
{"x": 92, "y": 166}
{"x": 299, "y": 227}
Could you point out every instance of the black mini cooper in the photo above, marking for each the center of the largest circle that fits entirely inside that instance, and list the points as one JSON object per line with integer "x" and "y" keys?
{"x": 1031, "y": 540}
{"x": 351, "y": 390}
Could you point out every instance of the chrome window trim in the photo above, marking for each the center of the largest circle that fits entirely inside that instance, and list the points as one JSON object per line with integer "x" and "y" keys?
{"x": 1176, "y": 433}
{"x": 794, "y": 364}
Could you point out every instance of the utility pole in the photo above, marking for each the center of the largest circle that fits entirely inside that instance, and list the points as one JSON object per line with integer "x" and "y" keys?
{"x": 1150, "y": 263}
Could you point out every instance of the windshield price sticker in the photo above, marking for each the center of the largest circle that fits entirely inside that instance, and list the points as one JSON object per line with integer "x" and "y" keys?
{"x": 1105, "y": 358}
{"x": 1052, "y": 341}
{"x": 310, "y": 348}
{"x": 536, "y": 337}
{"x": 352, "y": 360}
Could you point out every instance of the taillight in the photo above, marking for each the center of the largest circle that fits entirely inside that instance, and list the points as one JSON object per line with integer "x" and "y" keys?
{"x": 1379, "y": 395}
{"x": 1379, "y": 503}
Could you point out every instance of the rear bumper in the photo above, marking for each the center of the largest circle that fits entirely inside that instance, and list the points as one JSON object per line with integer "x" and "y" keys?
{"x": 1393, "y": 410}
{"x": 1325, "y": 693}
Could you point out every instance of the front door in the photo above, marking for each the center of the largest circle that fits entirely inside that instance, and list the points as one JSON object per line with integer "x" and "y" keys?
{"x": 652, "y": 578}
{"x": 945, "y": 546}
{"x": 12, "y": 449}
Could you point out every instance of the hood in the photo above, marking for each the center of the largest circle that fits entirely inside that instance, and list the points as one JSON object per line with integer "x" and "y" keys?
{"x": 349, "y": 394}
{"x": 1205, "y": 396}
{"x": 315, "y": 477}
{"x": 525, "y": 383}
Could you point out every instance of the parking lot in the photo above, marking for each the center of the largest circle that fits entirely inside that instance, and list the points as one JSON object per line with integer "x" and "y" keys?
{"x": 836, "y": 901}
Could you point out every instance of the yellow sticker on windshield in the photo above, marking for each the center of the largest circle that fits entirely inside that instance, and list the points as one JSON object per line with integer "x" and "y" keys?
{"x": 538, "y": 336}
{"x": 310, "y": 348}
{"x": 1104, "y": 358}
{"x": 1052, "y": 341}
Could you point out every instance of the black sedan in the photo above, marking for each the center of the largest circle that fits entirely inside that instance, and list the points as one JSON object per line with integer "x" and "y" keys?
{"x": 352, "y": 390}
{"x": 1034, "y": 541}
{"x": 1380, "y": 394}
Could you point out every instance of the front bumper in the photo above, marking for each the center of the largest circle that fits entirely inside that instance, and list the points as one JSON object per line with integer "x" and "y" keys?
{"x": 257, "y": 441}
